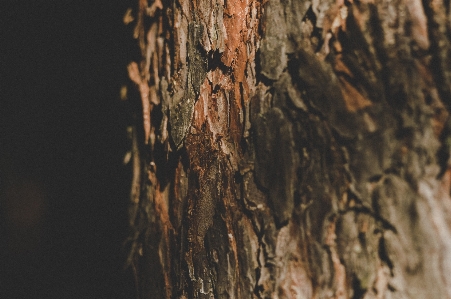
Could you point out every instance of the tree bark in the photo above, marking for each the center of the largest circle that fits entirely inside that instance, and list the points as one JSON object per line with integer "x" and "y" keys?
{"x": 289, "y": 149}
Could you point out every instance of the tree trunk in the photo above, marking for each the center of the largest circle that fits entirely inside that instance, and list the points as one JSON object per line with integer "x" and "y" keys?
{"x": 289, "y": 149}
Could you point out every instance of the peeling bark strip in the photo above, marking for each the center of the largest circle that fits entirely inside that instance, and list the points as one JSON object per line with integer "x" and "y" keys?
{"x": 291, "y": 149}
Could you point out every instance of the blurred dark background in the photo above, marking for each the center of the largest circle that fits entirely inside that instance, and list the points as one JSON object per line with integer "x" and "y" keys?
{"x": 63, "y": 188}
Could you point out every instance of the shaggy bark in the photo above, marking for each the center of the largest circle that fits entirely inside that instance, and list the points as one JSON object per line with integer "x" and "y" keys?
{"x": 290, "y": 149}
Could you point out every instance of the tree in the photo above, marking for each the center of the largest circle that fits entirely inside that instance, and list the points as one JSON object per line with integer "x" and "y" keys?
{"x": 289, "y": 149}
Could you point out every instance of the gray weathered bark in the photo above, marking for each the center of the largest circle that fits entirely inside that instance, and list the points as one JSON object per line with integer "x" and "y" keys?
{"x": 290, "y": 149}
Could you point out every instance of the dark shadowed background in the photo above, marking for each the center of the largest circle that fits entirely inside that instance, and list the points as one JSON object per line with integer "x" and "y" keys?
{"x": 62, "y": 183}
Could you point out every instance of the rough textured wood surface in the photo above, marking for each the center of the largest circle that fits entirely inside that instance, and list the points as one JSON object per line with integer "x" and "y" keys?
{"x": 295, "y": 149}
